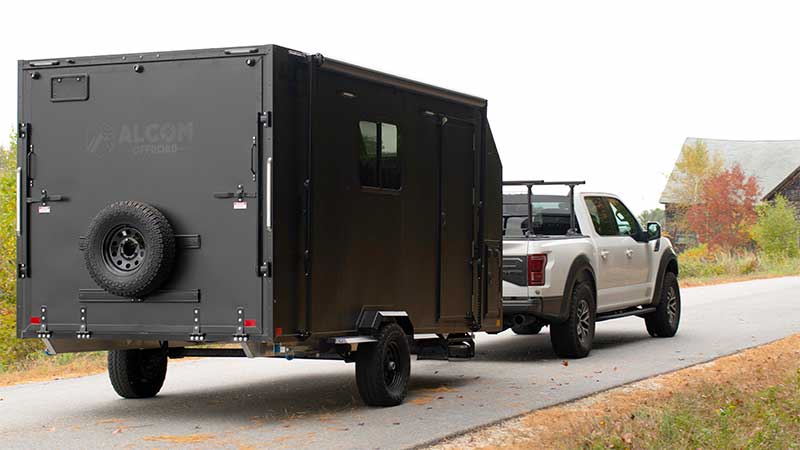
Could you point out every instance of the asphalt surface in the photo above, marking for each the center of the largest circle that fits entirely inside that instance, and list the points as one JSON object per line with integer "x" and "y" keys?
{"x": 302, "y": 404}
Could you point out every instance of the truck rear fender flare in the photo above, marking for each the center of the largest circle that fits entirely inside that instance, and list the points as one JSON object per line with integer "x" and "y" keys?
{"x": 668, "y": 263}
{"x": 371, "y": 321}
{"x": 580, "y": 270}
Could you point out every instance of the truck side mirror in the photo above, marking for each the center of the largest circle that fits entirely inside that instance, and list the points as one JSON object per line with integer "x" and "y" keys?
{"x": 654, "y": 234}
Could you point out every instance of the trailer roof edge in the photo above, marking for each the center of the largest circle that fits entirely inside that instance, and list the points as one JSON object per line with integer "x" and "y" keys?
{"x": 405, "y": 83}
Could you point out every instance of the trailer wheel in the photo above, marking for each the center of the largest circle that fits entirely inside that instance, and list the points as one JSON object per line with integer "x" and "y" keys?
{"x": 130, "y": 249}
{"x": 665, "y": 320}
{"x": 137, "y": 373}
{"x": 384, "y": 368}
{"x": 573, "y": 338}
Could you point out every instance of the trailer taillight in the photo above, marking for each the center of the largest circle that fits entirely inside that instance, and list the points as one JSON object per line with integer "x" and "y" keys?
{"x": 536, "y": 265}
{"x": 36, "y": 320}
{"x": 249, "y": 322}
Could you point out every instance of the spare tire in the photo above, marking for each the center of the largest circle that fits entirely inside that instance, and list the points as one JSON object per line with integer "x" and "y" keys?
{"x": 130, "y": 249}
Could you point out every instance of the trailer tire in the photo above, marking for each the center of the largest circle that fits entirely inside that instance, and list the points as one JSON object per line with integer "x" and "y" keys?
{"x": 130, "y": 249}
{"x": 573, "y": 338}
{"x": 383, "y": 368}
{"x": 667, "y": 316}
{"x": 137, "y": 373}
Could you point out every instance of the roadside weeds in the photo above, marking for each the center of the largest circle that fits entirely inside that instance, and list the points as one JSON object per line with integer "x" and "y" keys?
{"x": 749, "y": 399}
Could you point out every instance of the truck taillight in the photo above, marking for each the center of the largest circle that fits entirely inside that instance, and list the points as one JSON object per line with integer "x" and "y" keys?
{"x": 536, "y": 264}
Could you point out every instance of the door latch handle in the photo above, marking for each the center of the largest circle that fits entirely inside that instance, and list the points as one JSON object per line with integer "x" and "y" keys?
{"x": 629, "y": 253}
{"x": 252, "y": 157}
{"x": 45, "y": 198}
{"x": 604, "y": 254}
{"x": 239, "y": 195}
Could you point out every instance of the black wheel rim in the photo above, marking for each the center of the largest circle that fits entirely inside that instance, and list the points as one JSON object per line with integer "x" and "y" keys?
{"x": 672, "y": 305}
{"x": 584, "y": 318}
{"x": 392, "y": 370}
{"x": 124, "y": 249}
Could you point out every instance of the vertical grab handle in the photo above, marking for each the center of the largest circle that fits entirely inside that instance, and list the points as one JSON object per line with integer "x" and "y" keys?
{"x": 269, "y": 194}
{"x": 19, "y": 201}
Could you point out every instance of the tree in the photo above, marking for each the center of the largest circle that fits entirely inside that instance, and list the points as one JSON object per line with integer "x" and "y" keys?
{"x": 694, "y": 166}
{"x": 725, "y": 210}
{"x": 652, "y": 215}
{"x": 777, "y": 230}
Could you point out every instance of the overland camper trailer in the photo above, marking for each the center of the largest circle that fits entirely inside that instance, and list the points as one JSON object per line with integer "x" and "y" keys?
{"x": 290, "y": 204}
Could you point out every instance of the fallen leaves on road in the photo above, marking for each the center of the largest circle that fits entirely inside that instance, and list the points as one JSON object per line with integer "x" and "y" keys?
{"x": 184, "y": 439}
{"x": 563, "y": 426}
{"x": 565, "y": 363}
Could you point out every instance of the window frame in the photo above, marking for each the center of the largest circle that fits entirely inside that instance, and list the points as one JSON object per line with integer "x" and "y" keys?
{"x": 380, "y": 188}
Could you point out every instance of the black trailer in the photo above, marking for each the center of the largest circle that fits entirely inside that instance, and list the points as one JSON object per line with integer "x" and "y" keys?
{"x": 290, "y": 204}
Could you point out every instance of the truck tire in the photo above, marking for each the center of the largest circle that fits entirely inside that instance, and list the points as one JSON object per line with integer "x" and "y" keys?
{"x": 665, "y": 320}
{"x": 527, "y": 329}
{"x": 383, "y": 368}
{"x": 130, "y": 249}
{"x": 137, "y": 373}
{"x": 573, "y": 338}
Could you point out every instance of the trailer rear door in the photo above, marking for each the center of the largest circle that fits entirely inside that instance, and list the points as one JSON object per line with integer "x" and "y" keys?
{"x": 181, "y": 135}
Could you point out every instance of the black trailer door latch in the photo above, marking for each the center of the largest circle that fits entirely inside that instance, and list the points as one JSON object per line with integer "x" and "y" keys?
{"x": 46, "y": 198}
{"x": 239, "y": 195}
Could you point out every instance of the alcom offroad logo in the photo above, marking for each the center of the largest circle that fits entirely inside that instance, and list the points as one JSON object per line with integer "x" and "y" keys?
{"x": 154, "y": 138}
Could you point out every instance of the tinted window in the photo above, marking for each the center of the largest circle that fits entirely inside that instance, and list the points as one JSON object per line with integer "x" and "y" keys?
{"x": 626, "y": 222}
{"x": 602, "y": 217}
{"x": 379, "y": 162}
{"x": 368, "y": 153}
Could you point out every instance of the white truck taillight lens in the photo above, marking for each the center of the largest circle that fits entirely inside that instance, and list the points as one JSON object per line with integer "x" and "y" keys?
{"x": 536, "y": 265}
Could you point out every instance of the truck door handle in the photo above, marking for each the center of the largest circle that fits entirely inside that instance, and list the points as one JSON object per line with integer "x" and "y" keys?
{"x": 629, "y": 253}
{"x": 604, "y": 254}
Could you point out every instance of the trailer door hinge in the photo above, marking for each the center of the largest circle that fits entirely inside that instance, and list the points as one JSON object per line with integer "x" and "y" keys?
{"x": 265, "y": 118}
{"x": 22, "y": 270}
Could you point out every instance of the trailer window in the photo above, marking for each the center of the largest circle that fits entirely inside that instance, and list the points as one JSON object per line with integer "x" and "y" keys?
{"x": 379, "y": 164}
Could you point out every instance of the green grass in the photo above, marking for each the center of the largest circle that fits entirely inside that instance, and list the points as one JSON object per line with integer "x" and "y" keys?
{"x": 698, "y": 266}
{"x": 719, "y": 417}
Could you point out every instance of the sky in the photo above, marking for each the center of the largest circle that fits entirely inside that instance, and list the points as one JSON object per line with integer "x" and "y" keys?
{"x": 599, "y": 91}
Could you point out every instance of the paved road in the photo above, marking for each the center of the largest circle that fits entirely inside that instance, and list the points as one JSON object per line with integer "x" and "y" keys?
{"x": 295, "y": 404}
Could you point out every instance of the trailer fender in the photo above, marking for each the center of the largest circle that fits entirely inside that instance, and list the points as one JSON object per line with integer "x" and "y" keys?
{"x": 370, "y": 321}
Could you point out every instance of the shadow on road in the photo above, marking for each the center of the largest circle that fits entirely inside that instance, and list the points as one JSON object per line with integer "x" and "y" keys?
{"x": 508, "y": 347}
{"x": 310, "y": 396}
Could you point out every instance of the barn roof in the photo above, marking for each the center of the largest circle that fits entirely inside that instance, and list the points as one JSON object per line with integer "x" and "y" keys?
{"x": 770, "y": 162}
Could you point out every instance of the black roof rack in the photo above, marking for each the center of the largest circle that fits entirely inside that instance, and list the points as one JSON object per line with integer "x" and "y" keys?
{"x": 531, "y": 183}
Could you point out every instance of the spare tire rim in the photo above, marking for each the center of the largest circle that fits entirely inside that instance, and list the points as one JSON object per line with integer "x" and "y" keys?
{"x": 583, "y": 327}
{"x": 124, "y": 249}
{"x": 672, "y": 305}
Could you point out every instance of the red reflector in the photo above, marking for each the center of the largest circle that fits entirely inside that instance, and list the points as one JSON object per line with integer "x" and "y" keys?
{"x": 536, "y": 265}
{"x": 249, "y": 322}
{"x": 36, "y": 320}
{"x": 278, "y": 331}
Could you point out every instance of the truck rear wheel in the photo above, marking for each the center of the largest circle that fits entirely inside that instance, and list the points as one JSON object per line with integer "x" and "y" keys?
{"x": 665, "y": 320}
{"x": 383, "y": 368}
{"x": 137, "y": 373}
{"x": 573, "y": 338}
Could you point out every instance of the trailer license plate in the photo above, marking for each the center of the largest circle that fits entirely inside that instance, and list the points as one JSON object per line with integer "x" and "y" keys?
{"x": 239, "y": 205}
{"x": 44, "y": 210}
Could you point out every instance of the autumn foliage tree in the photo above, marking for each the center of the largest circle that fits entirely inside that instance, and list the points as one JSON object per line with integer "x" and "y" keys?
{"x": 725, "y": 209}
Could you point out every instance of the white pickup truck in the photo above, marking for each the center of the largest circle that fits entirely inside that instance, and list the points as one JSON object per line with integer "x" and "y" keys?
{"x": 584, "y": 259}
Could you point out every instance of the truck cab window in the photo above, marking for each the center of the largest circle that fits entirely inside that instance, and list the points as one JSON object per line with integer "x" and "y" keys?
{"x": 602, "y": 217}
{"x": 626, "y": 222}
{"x": 379, "y": 162}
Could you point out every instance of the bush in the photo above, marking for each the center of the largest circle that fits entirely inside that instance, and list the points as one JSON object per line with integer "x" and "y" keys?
{"x": 701, "y": 262}
{"x": 777, "y": 230}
